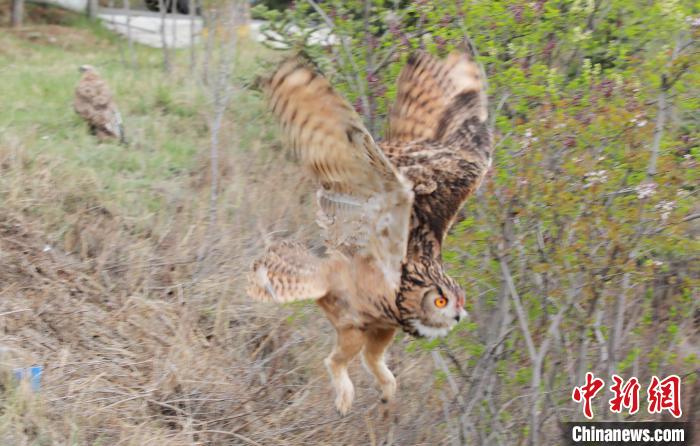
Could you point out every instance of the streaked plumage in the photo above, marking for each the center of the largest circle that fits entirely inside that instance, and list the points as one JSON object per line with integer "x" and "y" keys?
{"x": 384, "y": 209}
{"x": 94, "y": 103}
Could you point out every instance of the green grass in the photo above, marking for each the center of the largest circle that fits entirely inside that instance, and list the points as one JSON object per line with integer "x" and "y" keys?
{"x": 111, "y": 214}
{"x": 147, "y": 342}
{"x": 165, "y": 116}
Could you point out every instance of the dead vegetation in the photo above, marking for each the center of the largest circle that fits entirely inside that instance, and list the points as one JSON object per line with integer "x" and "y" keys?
{"x": 144, "y": 340}
{"x": 37, "y": 14}
{"x": 141, "y": 343}
{"x": 139, "y": 347}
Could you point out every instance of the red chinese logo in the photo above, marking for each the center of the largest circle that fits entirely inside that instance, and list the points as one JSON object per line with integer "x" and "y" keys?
{"x": 665, "y": 395}
{"x": 662, "y": 395}
{"x": 587, "y": 392}
{"x": 626, "y": 395}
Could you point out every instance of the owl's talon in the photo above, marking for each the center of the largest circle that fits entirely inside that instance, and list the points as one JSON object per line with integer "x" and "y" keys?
{"x": 343, "y": 402}
{"x": 388, "y": 389}
{"x": 344, "y": 390}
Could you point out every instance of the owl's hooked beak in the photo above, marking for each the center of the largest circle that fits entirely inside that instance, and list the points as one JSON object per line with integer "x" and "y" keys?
{"x": 461, "y": 312}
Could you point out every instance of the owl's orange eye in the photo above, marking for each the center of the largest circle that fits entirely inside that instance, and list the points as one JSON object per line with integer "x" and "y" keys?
{"x": 440, "y": 302}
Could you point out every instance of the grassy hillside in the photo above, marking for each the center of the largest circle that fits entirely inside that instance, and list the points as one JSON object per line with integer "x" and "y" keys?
{"x": 102, "y": 279}
{"x": 116, "y": 281}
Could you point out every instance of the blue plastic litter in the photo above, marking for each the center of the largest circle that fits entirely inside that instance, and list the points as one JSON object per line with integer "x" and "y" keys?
{"x": 32, "y": 374}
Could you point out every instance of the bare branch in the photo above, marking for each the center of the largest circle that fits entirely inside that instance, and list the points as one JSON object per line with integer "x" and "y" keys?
{"x": 519, "y": 310}
{"x": 359, "y": 83}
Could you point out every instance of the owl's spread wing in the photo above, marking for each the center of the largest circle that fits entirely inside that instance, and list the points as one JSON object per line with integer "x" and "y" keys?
{"x": 93, "y": 102}
{"x": 427, "y": 87}
{"x": 438, "y": 135}
{"x": 365, "y": 203}
{"x": 287, "y": 272}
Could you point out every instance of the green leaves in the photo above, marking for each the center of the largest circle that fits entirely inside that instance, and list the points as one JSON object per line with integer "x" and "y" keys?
{"x": 574, "y": 88}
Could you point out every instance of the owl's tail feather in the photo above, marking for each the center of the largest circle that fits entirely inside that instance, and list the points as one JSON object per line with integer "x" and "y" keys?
{"x": 436, "y": 97}
{"x": 287, "y": 272}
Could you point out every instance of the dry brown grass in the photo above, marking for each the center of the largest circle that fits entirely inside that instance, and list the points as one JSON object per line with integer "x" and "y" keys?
{"x": 112, "y": 279}
{"x": 140, "y": 342}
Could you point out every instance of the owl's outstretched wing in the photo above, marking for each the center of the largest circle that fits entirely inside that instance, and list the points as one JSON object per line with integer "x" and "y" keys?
{"x": 427, "y": 87}
{"x": 287, "y": 272}
{"x": 365, "y": 203}
{"x": 93, "y": 102}
{"x": 438, "y": 135}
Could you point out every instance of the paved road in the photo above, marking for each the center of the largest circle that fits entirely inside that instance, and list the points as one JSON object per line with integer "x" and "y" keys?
{"x": 145, "y": 26}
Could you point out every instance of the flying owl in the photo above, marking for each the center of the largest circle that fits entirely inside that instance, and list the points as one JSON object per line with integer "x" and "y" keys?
{"x": 383, "y": 208}
{"x": 93, "y": 102}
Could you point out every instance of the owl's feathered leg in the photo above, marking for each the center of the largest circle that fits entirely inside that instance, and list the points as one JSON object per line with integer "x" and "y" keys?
{"x": 378, "y": 340}
{"x": 348, "y": 344}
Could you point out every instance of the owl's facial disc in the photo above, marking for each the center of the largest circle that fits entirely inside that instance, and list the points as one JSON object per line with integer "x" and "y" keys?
{"x": 441, "y": 308}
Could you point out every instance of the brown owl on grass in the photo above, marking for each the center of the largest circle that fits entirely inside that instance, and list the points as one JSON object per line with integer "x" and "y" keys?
{"x": 94, "y": 103}
{"x": 384, "y": 208}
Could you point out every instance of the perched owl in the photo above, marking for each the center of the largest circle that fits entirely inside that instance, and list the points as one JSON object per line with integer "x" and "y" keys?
{"x": 93, "y": 102}
{"x": 384, "y": 209}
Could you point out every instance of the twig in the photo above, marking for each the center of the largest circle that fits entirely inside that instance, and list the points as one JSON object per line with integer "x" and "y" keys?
{"x": 519, "y": 310}
{"x": 233, "y": 434}
{"x": 359, "y": 83}
{"x": 15, "y": 311}
{"x": 666, "y": 84}
{"x": 163, "y": 5}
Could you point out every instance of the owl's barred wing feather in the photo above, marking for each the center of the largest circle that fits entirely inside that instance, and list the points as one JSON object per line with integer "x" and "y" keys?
{"x": 427, "y": 88}
{"x": 440, "y": 139}
{"x": 365, "y": 204}
{"x": 287, "y": 272}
